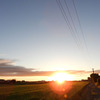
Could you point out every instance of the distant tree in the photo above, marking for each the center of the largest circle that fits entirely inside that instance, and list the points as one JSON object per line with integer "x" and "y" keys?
{"x": 23, "y": 81}
{"x": 94, "y": 77}
{"x": 13, "y": 81}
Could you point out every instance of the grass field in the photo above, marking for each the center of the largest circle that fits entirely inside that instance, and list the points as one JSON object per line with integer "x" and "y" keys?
{"x": 47, "y": 91}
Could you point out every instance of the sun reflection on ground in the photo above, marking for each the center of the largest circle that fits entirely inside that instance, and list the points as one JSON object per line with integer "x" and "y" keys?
{"x": 59, "y": 83}
{"x": 61, "y": 88}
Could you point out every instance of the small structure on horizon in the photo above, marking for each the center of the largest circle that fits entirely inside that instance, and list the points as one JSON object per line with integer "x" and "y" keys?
{"x": 93, "y": 70}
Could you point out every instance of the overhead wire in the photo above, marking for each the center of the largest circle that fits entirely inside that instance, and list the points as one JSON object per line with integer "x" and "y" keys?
{"x": 81, "y": 29}
{"x": 68, "y": 23}
{"x": 70, "y": 16}
{"x": 74, "y": 32}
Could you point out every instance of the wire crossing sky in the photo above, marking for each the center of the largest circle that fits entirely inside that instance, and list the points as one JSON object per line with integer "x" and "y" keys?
{"x": 71, "y": 27}
{"x": 50, "y": 35}
{"x": 75, "y": 36}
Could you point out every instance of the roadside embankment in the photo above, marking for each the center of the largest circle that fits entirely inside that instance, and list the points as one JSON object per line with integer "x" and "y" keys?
{"x": 83, "y": 94}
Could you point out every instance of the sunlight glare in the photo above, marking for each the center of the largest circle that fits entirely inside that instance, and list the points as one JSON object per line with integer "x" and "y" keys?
{"x": 60, "y": 77}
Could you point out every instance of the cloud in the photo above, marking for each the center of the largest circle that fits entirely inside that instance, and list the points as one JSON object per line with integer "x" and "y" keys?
{"x": 78, "y": 71}
{"x": 97, "y": 71}
{"x": 7, "y": 68}
{"x": 6, "y": 61}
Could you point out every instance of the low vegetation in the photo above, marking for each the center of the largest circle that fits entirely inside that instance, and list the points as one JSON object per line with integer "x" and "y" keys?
{"x": 44, "y": 91}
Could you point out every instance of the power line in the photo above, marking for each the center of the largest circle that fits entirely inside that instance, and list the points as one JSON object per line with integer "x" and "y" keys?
{"x": 74, "y": 32}
{"x": 80, "y": 24}
{"x": 68, "y": 22}
{"x": 72, "y": 20}
{"x": 70, "y": 15}
{"x": 81, "y": 29}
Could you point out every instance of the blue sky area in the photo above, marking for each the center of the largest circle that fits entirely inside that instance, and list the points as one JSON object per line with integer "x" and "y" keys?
{"x": 34, "y": 34}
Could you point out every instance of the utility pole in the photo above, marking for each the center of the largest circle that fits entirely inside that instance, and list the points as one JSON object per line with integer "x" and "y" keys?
{"x": 93, "y": 70}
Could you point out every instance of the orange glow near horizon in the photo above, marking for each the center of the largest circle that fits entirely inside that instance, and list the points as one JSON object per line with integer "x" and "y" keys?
{"x": 61, "y": 83}
{"x": 60, "y": 77}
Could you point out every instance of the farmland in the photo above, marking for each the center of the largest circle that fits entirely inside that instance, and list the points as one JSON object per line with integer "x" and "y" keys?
{"x": 46, "y": 91}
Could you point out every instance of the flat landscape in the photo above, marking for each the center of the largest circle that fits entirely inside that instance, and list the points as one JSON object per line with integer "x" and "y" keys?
{"x": 46, "y": 91}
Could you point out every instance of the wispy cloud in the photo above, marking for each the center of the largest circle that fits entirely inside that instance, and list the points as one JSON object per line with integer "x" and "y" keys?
{"x": 7, "y": 68}
{"x": 6, "y": 61}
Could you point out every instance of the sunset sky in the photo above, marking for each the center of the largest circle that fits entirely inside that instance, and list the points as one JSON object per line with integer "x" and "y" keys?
{"x": 36, "y": 39}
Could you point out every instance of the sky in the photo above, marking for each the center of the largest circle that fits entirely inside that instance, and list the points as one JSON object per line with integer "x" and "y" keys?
{"x": 36, "y": 40}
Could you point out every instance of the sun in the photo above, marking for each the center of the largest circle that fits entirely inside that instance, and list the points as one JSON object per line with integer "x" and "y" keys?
{"x": 60, "y": 77}
{"x": 61, "y": 82}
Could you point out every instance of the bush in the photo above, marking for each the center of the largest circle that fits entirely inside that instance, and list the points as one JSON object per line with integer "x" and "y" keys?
{"x": 98, "y": 80}
{"x": 94, "y": 77}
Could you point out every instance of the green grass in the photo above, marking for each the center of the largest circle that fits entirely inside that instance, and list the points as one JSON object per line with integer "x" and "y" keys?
{"x": 40, "y": 91}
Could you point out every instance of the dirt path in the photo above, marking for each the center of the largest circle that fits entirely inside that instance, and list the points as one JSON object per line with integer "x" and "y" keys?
{"x": 95, "y": 92}
{"x": 89, "y": 92}
{"x": 86, "y": 93}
